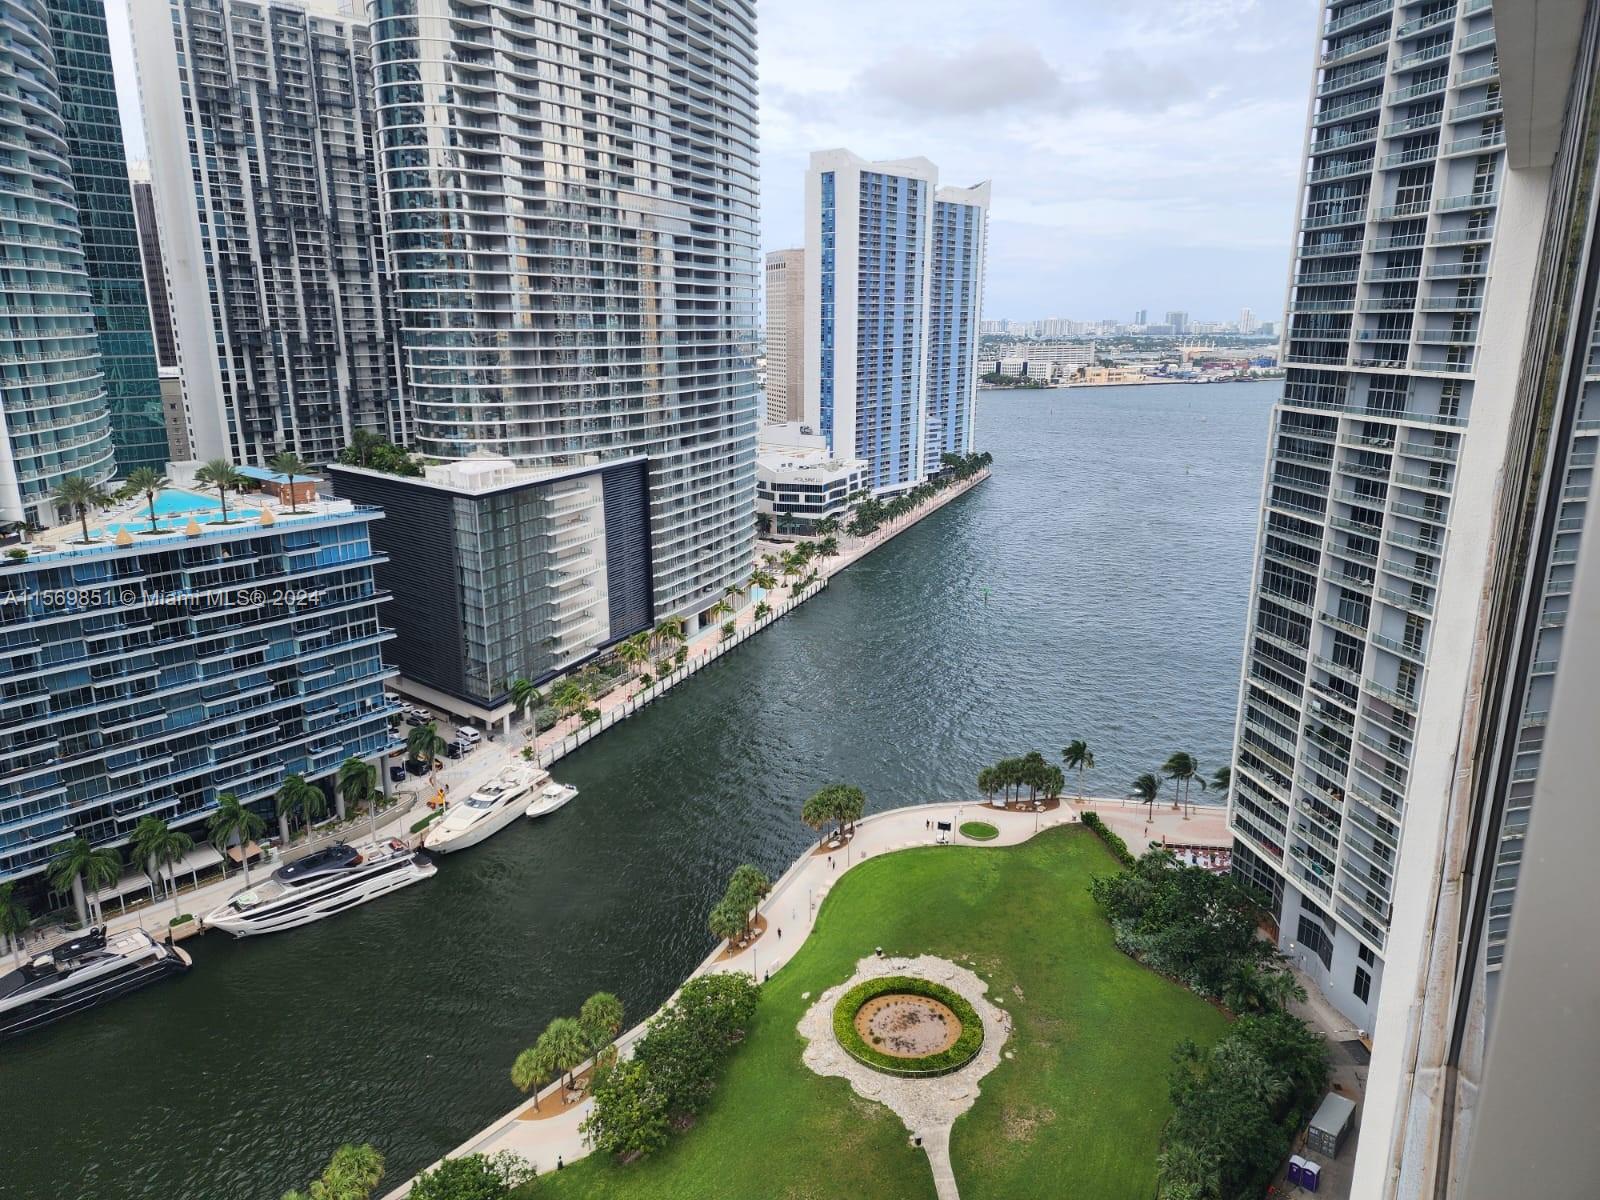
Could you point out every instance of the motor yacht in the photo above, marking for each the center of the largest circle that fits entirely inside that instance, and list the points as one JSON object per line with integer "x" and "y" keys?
{"x": 321, "y": 885}
{"x": 82, "y": 974}
{"x": 551, "y": 797}
{"x": 485, "y": 812}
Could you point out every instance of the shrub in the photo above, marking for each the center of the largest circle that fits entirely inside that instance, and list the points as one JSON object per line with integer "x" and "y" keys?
{"x": 473, "y": 1177}
{"x": 674, "y": 1066}
{"x": 419, "y": 826}
{"x": 1118, "y": 847}
{"x": 17, "y": 554}
{"x": 176, "y": 921}
{"x": 957, "y": 1056}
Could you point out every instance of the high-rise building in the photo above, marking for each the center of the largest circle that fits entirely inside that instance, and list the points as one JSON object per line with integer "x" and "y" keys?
{"x": 155, "y": 267}
{"x": 894, "y": 286}
{"x": 53, "y": 417}
{"x": 120, "y": 708}
{"x": 786, "y": 335}
{"x": 1363, "y": 516}
{"x": 955, "y": 303}
{"x": 1247, "y": 321}
{"x": 110, "y": 241}
{"x": 1142, "y": 317}
{"x": 1178, "y": 322}
{"x": 259, "y": 123}
{"x": 573, "y": 210}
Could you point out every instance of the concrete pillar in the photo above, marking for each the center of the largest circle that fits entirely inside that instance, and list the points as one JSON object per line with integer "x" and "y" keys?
{"x": 381, "y": 762}
{"x": 505, "y": 725}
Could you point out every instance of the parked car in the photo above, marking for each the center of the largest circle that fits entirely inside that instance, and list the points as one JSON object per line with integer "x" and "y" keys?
{"x": 468, "y": 736}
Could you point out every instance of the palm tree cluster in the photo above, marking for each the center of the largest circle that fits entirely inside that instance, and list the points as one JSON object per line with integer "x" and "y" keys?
{"x": 1183, "y": 770}
{"x": 1010, "y": 775}
{"x": 15, "y": 920}
{"x": 375, "y": 453}
{"x": 158, "y": 845}
{"x": 730, "y": 917}
{"x": 84, "y": 868}
{"x": 841, "y": 803}
{"x": 233, "y": 824}
{"x": 567, "y": 1042}
{"x": 870, "y": 512}
{"x": 299, "y": 796}
{"x": 81, "y": 495}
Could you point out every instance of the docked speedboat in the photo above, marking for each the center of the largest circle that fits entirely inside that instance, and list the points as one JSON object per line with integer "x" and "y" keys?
{"x": 82, "y": 974}
{"x": 487, "y": 811}
{"x": 551, "y": 797}
{"x": 321, "y": 885}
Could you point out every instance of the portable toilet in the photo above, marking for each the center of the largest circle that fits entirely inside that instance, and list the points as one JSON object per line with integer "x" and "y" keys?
{"x": 1296, "y": 1168}
{"x": 1328, "y": 1128}
{"x": 1310, "y": 1176}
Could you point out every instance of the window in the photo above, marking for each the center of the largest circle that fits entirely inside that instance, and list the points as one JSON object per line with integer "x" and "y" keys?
{"x": 1314, "y": 937}
{"x": 1363, "y": 987}
{"x": 1365, "y": 954}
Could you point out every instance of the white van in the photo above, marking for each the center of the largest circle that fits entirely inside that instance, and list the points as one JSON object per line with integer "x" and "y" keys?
{"x": 468, "y": 736}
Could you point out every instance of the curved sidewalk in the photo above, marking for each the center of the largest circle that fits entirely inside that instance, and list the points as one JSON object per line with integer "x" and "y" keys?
{"x": 791, "y": 907}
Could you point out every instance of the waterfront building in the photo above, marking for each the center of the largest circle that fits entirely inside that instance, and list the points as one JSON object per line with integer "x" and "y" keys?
{"x": 799, "y": 481}
{"x": 602, "y": 308}
{"x": 147, "y": 673}
{"x": 501, "y": 572}
{"x": 259, "y": 123}
{"x": 894, "y": 285}
{"x": 155, "y": 270}
{"x": 110, "y": 241}
{"x": 1361, "y": 507}
{"x": 786, "y": 335}
{"x": 54, "y": 421}
{"x": 1049, "y": 361}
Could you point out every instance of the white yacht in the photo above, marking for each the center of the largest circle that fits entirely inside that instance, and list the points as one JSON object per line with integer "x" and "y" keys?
{"x": 321, "y": 885}
{"x": 487, "y": 811}
{"x": 551, "y": 797}
{"x": 81, "y": 974}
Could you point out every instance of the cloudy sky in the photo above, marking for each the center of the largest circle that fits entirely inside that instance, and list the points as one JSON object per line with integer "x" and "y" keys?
{"x": 1142, "y": 152}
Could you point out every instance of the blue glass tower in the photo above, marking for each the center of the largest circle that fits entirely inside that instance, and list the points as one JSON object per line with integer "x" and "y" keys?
{"x": 110, "y": 239}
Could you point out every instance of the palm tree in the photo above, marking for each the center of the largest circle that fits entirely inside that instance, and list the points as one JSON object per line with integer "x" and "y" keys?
{"x": 80, "y": 494}
{"x": 298, "y": 795}
{"x": 222, "y": 475}
{"x": 635, "y": 651}
{"x": 15, "y": 920}
{"x": 425, "y": 744}
{"x": 1146, "y": 788}
{"x": 668, "y": 630}
{"x": 290, "y": 464}
{"x": 763, "y": 580}
{"x": 532, "y": 1067}
{"x": 762, "y": 610}
{"x": 1222, "y": 779}
{"x": 358, "y": 781}
{"x": 1181, "y": 768}
{"x": 233, "y": 822}
{"x": 987, "y": 782}
{"x": 601, "y": 1020}
{"x": 569, "y": 697}
{"x": 155, "y": 840}
{"x": 81, "y": 866}
{"x": 828, "y": 546}
{"x": 720, "y": 609}
{"x": 1079, "y": 758}
{"x": 565, "y": 1047}
{"x": 146, "y": 482}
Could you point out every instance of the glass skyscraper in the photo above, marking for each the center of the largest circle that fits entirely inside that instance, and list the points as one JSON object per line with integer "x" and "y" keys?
{"x": 110, "y": 239}
{"x": 894, "y": 293}
{"x": 53, "y": 419}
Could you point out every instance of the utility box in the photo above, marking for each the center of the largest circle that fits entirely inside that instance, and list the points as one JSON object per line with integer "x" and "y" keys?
{"x": 1328, "y": 1128}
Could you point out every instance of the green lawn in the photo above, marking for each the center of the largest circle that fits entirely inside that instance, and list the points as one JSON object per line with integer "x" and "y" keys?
{"x": 979, "y": 831}
{"x": 1078, "y": 1111}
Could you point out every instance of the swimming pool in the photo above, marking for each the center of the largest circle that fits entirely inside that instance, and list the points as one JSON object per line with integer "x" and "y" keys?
{"x": 173, "y": 501}
{"x": 175, "y": 507}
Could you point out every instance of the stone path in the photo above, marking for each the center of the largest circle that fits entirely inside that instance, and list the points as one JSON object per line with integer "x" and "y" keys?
{"x": 927, "y": 1107}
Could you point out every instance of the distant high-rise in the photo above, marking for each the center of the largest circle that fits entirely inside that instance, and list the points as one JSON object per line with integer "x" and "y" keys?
{"x": 1247, "y": 321}
{"x": 259, "y": 121}
{"x": 1142, "y": 317}
{"x": 955, "y": 302}
{"x": 1178, "y": 321}
{"x": 110, "y": 241}
{"x": 53, "y": 416}
{"x": 786, "y": 335}
{"x": 894, "y": 285}
{"x": 155, "y": 267}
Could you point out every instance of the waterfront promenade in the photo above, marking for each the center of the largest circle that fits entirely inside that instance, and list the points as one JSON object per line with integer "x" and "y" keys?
{"x": 791, "y": 908}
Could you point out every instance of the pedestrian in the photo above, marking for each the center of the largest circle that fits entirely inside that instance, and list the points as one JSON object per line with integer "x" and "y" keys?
{"x": 559, "y": 1163}
{"x": 780, "y": 933}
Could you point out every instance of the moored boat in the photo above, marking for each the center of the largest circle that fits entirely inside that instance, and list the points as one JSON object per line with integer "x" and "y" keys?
{"x": 82, "y": 974}
{"x": 321, "y": 885}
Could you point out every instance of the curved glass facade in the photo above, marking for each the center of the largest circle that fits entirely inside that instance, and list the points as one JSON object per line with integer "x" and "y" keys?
{"x": 53, "y": 417}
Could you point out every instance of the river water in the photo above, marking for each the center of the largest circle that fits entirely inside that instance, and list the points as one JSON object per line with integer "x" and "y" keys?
{"x": 1094, "y": 587}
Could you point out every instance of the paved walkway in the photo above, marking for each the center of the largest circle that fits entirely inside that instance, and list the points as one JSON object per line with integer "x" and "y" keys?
{"x": 792, "y": 908}
{"x": 1207, "y": 826}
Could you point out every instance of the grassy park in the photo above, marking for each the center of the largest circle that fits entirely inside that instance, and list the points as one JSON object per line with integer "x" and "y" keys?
{"x": 1078, "y": 1110}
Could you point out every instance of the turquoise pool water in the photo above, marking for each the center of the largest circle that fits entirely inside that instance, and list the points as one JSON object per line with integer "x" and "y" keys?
{"x": 175, "y": 507}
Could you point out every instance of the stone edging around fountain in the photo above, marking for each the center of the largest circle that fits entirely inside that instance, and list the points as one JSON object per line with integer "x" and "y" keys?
{"x": 925, "y": 1104}
{"x": 943, "y": 1062}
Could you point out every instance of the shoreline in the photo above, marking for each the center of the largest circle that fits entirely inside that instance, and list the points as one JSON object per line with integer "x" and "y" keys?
{"x": 554, "y": 1138}
{"x": 1067, "y": 387}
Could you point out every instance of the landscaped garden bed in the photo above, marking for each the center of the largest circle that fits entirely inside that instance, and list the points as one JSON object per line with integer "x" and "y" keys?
{"x": 904, "y": 1025}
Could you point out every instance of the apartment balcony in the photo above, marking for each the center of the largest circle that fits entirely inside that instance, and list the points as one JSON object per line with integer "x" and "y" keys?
{"x": 1338, "y": 83}
{"x": 1415, "y": 91}
{"x": 1447, "y": 337}
{"x": 1420, "y": 58}
{"x": 1343, "y": 112}
{"x": 1386, "y": 274}
{"x": 1489, "y": 106}
{"x": 1407, "y": 157}
{"x": 1331, "y": 249}
{"x": 1452, "y": 303}
{"x": 1474, "y": 75}
{"x": 1311, "y": 306}
{"x": 1340, "y": 171}
{"x": 1402, "y": 241}
{"x": 1431, "y": 21}
{"x": 1474, "y": 145}
{"x": 1412, "y": 125}
{"x": 1350, "y": 50}
{"x": 1398, "y": 212}
{"x": 1476, "y": 41}
{"x": 1357, "y": 17}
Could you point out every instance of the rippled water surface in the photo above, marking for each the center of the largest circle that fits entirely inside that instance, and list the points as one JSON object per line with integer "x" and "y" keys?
{"x": 1094, "y": 587}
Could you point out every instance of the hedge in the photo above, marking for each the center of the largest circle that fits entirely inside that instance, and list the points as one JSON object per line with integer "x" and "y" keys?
{"x": 1118, "y": 847}
{"x": 957, "y": 1056}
